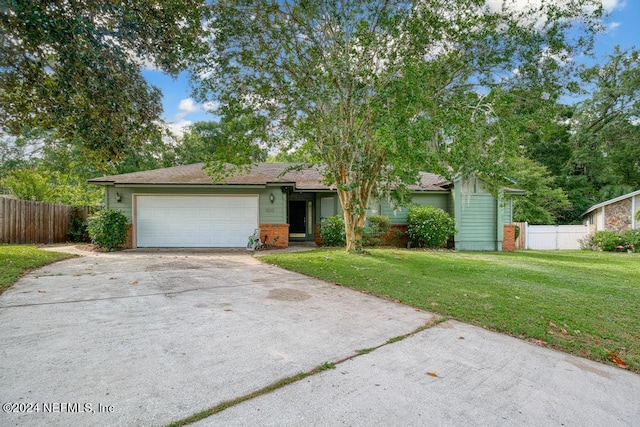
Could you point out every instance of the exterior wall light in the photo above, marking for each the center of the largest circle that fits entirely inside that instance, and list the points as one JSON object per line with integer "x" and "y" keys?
{"x": 272, "y": 198}
{"x": 118, "y": 197}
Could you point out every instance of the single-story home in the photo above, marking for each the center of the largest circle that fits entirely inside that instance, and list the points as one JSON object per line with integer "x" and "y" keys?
{"x": 182, "y": 207}
{"x": 616, "y": 214}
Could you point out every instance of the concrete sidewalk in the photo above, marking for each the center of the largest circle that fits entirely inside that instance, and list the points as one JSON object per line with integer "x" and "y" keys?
{"x": 451, "y": 374}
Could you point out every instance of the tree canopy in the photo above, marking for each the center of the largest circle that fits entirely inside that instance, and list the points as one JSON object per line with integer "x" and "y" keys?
{"x": 377, "y": 91}
{"x": 74, "y": 67}
{"x": 607, "y": 125}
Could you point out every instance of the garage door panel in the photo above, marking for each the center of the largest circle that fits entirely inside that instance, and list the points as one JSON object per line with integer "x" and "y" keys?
{"x": 195, "y": 221}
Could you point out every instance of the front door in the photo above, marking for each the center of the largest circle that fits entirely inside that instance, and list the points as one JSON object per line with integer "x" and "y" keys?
{"x": 298, "y": 218}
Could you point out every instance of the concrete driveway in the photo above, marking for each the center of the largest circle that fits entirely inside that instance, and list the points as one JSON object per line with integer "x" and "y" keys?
{"x": 135, "y": 338}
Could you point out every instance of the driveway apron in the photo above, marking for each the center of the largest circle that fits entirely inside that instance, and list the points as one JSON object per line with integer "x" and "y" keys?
{"x": 135, "y": 338}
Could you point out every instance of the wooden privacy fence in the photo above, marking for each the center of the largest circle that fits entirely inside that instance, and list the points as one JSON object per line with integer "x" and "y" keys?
{"x": 24, "y": 221}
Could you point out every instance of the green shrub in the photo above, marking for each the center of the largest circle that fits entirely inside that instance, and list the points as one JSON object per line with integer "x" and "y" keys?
{"x": 108, "y": 229}
{"x": 610, "y": 241}
{"x": 78, "y": 229}
{"x": 377, "y": 225}
{"x": 332, "y": 231}
{"x": 606, "y": 240}
{"x": 429, "y": 226}
{"x": 631, "y": 239}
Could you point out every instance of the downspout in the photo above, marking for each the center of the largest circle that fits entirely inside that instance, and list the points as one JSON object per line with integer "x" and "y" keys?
{"x": 499, "y": 222}
{"x": 633, "y": 212}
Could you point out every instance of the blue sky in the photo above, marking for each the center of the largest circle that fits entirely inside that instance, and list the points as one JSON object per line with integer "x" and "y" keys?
{"x": 180, "y": 110}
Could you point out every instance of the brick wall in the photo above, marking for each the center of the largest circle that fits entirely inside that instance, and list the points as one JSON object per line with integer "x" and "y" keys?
{"x": 509, "y": 239}
{"x": 277, "y": 234}
{"x": 129, "y": 242}
{"x": 317, "y": 237}
{"x": 396, "y": 237}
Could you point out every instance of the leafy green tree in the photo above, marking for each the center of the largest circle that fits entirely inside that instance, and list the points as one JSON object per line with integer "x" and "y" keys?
{"x": 28, "y": 184}
{"x": 376, "y": 91}
{"x": 206, "y": 141}
{"x": 606, "y": 126}
{"x": 74, "y": 67}
{"x": 543, "y": 201}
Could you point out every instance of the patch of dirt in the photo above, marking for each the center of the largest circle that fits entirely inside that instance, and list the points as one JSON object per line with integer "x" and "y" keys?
{"x": 287, "y": 294}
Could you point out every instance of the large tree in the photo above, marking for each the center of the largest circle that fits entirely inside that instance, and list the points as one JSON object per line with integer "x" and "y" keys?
{"x": 212, "y": 141}
{"x": 607, "y": 126}
{"x": 74, "y": 66}
{"x": 377, "y": 90}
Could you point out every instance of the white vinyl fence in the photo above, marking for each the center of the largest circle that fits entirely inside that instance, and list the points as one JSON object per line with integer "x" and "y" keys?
{"x": 554, "y": 237}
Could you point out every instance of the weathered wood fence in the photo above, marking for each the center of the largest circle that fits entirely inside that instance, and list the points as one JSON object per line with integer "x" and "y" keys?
{"x": 24, "y": 221}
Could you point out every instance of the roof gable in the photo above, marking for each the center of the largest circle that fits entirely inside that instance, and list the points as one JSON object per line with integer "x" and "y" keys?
{"x": 611, "y": 201}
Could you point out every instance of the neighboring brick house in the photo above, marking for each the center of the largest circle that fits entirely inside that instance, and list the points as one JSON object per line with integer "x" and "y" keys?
{"x": 614, "y": 215}
{"x": 182, "y": 207}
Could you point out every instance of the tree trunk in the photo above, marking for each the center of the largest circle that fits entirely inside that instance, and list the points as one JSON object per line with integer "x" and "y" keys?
{"x": 353, "y": 221}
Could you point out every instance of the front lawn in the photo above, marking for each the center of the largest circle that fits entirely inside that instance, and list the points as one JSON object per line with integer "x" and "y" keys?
{"x": 581, "y": 302}
{"x": 15, "y": 260}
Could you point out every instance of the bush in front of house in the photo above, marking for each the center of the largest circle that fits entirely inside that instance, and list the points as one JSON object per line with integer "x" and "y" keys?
{"x": 78, "y": 229}
{"x": 377, "y": 225}
{"x": 108, "y": 229}
{"x": 632, "y": 239}
{"x": 332, "y": 231}
{"x": 610, "y": 241}
{"x": 429, "y": 226}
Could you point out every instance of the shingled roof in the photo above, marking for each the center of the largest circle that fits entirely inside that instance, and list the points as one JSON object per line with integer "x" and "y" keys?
{"x": 260, "y": 174}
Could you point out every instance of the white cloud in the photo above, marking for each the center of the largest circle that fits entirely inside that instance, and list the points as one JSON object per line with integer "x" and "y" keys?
{"x": 210, "y": 105}
{"x": 178, "y": 127}
{"x": 612, "y": 26}
{"x": 532, "y": 5}
{"x": 187, "y": 105}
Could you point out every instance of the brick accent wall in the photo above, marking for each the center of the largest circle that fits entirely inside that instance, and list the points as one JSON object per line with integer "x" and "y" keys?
{"x": 316, "y": 236}
{"x": 396, "y": 237}
{"x": 277, "y": 234}
{"x": 509, "y": 239}
{"x": 129, "y": 242}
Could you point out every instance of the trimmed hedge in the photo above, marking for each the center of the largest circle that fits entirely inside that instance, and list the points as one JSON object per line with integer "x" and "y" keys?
{"x": 108, "y": 229}
{"x": 429, "y": 226}
{"x": 377, "y": 225}
{"x": 332, "y": 231}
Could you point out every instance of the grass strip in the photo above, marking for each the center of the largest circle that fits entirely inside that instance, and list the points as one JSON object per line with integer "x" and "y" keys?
{"x": 582, "y": 302}
{"x": 17, "y": 260}
{"x": 290, "y": 380}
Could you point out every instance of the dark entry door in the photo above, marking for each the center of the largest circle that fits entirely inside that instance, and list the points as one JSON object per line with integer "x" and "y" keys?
{"x": 297, "y": 218}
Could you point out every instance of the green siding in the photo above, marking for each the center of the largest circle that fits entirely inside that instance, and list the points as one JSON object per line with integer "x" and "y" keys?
{"x": 270, "y": 213}
{"x": 399, "y": 215}
{"x": 507, "y": 211}
{"x": 477, "y": 215}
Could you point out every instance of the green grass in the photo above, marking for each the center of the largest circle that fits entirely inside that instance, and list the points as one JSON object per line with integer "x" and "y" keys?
{"x": 581, "y": 302}
{"x": 16, "y": 260}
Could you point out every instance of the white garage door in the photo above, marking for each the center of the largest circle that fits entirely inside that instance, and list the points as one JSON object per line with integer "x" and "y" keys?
{"x": 195, "y": 221}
